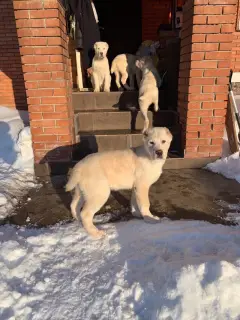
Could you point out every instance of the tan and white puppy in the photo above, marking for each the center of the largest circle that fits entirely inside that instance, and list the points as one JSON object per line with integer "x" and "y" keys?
{"x": 124, "y": 67}
{"x": 148, "y": 91}
{"x": 95, "y": 176}
{"x": 100, "y": 77}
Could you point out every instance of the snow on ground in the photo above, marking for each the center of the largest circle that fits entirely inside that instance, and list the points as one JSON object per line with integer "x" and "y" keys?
{"x": 225, "y": 146}
{"x": 174, "y": 270}
{"x": 16, "y": 158}
{"x": 233, "y": 213}
{"x": 229, "y": 164}
{"x": 229, "y": 167}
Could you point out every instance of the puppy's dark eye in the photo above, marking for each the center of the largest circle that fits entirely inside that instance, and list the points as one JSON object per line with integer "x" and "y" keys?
{"x": 152, "y": 143}
{"x": 163, "y": 141}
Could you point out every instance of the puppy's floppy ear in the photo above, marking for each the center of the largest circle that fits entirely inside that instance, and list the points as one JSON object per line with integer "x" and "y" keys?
{"x": 95, "y": 46}
{"x": 107, "y": 45}
{"x": 139, "y": 63}
{"x": 145, "y": 133}
{"x": 169, "y": 133}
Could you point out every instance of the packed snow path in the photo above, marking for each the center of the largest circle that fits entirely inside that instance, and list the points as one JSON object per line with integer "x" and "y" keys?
{"x": 172, "y": 270}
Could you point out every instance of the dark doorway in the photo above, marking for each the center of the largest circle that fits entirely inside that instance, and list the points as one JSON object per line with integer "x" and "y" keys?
{"x": 122, "y": 23}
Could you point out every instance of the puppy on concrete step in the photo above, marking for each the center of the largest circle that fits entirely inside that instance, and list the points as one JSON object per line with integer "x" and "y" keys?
{"x": 94, "y": 177}
{"x": 124, "y": 67}
{"x": 100, "y": 73}
{"x": 148, "y": 91}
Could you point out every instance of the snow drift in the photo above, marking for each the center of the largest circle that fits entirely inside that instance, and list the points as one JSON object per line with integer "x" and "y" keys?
{"x": 229, "y": 167}
{"x": 16, "y": 158}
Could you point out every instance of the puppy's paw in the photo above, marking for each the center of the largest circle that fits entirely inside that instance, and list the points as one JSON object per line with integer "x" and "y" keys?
{"x": 151, "y": 219}
{"x": 136, "y": 214}
{"x": 98, "y": 234}
{"x": 156, "y": 109}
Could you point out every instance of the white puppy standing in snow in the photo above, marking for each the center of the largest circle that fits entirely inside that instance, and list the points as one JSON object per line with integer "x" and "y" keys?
{"x": 148, "y": 91}
{"x": 94, "y": 177}
{"x": 100, "y": 77}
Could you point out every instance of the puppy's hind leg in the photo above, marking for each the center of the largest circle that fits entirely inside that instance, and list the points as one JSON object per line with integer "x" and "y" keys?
{"x": 92, "y": 205}
{"x": 124, "y": 78}
{"x": 155, "y": 103}
{"x": 117, "y": 79}
{"x": 144, "y": 110}
{"x": 77, "y": 203}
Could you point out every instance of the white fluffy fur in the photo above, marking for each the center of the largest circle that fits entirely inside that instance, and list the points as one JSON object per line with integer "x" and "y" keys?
{"x": 94, "y": 177}
{"x": 148, "y": 91}
{"x": 124, "y": 67}
{"x": 100, "y": 78}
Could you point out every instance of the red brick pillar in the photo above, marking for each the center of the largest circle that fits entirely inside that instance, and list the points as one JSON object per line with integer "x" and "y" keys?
{"x": 204, "y": 74}
{"x": 41, "y": 29}
{"x": 12, "y": 90}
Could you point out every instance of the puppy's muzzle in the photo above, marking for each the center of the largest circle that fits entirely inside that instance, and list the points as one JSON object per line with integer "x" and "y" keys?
{"x": 159, "y": 154}
{"x": 101, "y": 54}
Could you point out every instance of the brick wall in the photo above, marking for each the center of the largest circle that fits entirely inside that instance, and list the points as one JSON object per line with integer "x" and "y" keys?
{"x": 12, "y": 90}
{"x": 204, "y": 74}
{"x": 235, "y": 65}
{"x": 41, "y": 30}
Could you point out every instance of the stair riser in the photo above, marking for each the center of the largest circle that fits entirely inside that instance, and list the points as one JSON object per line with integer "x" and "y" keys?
{"x": 91, "y": 144}
{"x": 93, "y": 101}
{"x": 90, "y": 121}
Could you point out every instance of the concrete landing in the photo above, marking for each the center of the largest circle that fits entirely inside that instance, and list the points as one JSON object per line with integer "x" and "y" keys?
{"x": 179, "y": 194}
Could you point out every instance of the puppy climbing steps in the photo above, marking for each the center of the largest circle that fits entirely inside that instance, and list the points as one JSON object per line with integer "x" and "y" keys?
{"x": 110, "y": 121}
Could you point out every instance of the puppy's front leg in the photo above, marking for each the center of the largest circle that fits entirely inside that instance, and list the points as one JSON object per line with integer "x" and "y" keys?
{"x": 142, "y": 199}
{"x": 95, "y": 82}
{"x": 138, "y": 77}
{"x": 107, "y": 83}
{"x": 134, "y": 206}
{"x": 131, "y": 81}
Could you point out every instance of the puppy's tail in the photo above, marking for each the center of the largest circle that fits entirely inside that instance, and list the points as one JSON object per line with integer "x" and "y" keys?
{"x": 113, "y": 67}
{"x": 72, "y": 182}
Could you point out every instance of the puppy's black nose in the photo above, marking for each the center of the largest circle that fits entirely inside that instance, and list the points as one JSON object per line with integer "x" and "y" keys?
{"x": 159, "y": 153}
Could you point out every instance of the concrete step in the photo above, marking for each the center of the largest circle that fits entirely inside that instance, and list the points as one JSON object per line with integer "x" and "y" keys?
{"x": 115, "y": 119}
{"x": 104, "y": 100}
{"x": 105, "y": 140}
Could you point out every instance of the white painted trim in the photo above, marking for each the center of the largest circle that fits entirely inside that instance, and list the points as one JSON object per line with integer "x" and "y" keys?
{"x": 79, "y": 70}
{"x": 235, "y": 77}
